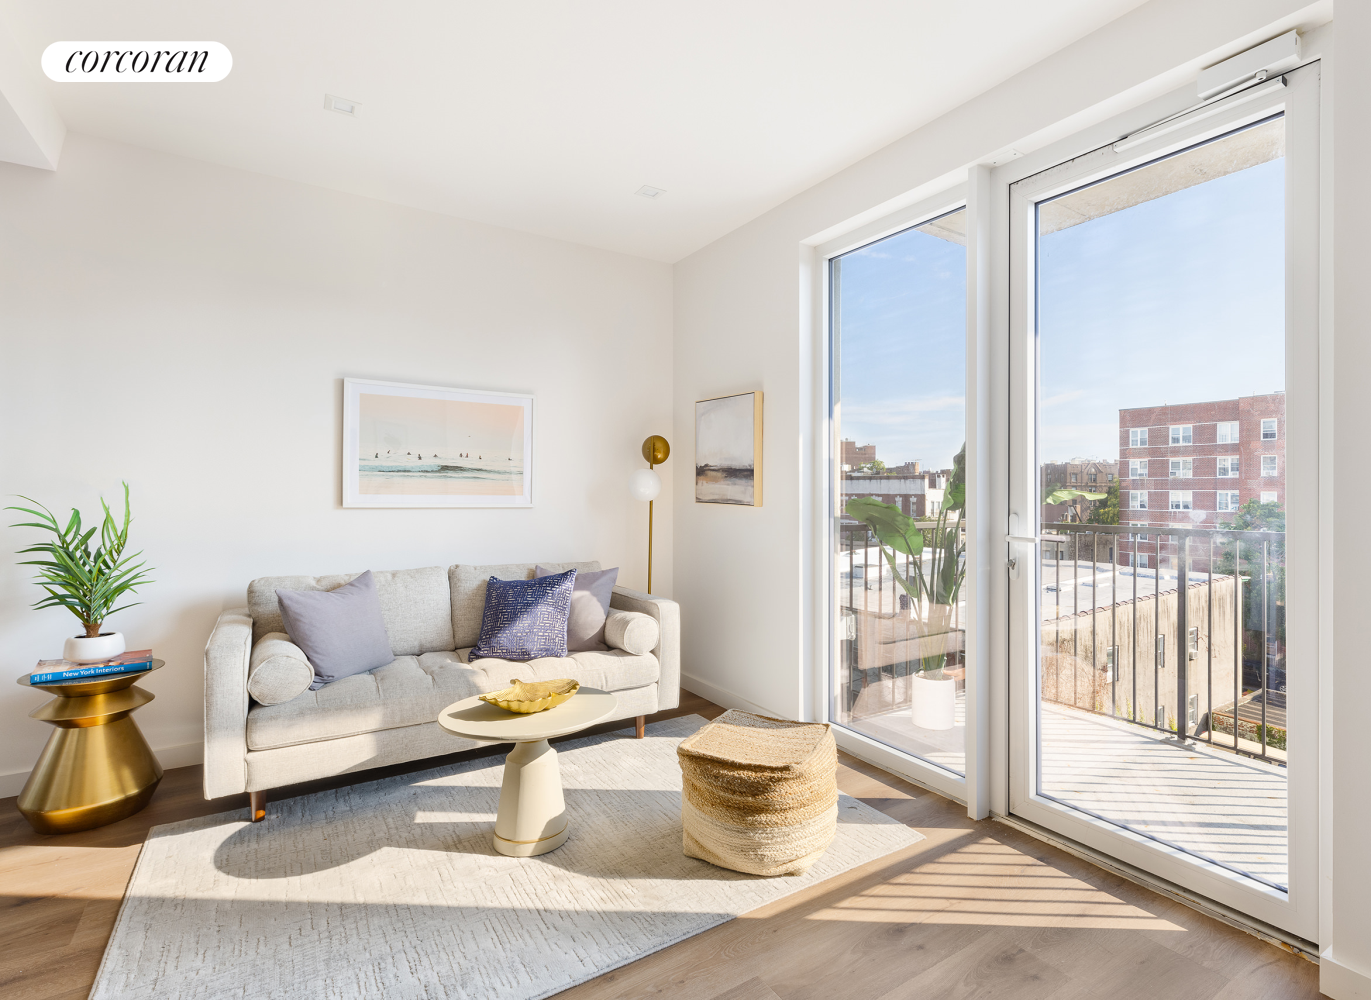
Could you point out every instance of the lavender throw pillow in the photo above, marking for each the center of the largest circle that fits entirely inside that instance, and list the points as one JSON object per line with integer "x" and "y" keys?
{"x": 585, "y": 626}
{"x": 341, "y": 631}
{"x": 525, "y": 619}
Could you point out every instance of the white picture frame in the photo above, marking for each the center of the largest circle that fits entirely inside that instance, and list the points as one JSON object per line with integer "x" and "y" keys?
{"x": 435, "y": 446}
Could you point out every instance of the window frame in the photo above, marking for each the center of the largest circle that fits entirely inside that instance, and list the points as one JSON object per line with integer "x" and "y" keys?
{"x": 1180, "y": 432}
{"x": 974, "y": 783}
{"x": 1274, "y": 465}
{"x": 1232, "y": 435}
{"x": 1180, "y": 468}
{"x": 1227, "y": 466}
{"x": 1275, "y": 429}
{"x": 1180, "y": 500}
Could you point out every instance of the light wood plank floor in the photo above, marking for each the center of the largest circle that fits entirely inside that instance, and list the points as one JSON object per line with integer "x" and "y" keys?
{"x": 975, "y": 910}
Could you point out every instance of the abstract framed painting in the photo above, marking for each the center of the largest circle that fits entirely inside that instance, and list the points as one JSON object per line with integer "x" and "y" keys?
{"x": 430, "y": 446}
{"x": 728, "y": 450}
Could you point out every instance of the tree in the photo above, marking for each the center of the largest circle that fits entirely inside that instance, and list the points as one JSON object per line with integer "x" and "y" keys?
{"x": 876, "y": 465}
{"x": 1257, "y": 516}
{"x": 1107, "y": 512}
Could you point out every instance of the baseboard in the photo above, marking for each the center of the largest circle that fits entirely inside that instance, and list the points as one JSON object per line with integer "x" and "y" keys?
{"x": 1341, "y": 983}
{"x": 179, "y": 756}
{"x": 723, "y": 697}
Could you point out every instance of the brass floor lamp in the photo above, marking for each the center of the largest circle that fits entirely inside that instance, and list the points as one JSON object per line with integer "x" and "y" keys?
{"x": 645, "y": 484}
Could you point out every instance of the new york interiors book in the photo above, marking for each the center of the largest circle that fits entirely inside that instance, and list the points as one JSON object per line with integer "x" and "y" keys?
{"x": 49, "y": 671}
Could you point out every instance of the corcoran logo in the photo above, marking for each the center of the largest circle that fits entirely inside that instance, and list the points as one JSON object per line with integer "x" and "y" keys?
{"x": 136, "y": 62}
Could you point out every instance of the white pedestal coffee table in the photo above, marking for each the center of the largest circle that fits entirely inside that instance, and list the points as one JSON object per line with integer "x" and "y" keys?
{"x": 532, "y": 816}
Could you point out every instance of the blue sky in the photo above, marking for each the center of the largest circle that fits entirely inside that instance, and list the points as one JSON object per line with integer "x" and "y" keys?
{"x": 1179, "y": 299}
{"x": 904, "y": 348}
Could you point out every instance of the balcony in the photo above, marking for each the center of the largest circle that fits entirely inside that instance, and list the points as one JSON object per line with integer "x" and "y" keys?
{"x": 1161, "y": 715}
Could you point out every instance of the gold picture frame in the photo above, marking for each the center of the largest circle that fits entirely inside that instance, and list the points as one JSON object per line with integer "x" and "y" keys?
{"x": 728, "y": 450}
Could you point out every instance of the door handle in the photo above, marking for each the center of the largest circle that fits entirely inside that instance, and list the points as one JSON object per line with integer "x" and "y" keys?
{"x": 1030, "y": 539}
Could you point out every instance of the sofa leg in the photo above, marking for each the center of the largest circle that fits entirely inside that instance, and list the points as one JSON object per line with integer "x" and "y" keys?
{"x": 257, "y": 805}
{"x": 640, "y": 727}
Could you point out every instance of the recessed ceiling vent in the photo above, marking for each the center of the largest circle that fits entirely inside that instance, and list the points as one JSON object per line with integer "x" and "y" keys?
{"x": 342, "y": 105}
{"x": 650, "y": 192}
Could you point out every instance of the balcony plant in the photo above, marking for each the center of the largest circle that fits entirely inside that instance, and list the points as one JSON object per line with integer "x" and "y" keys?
{"x": 88, "y": 584}
{"x": 933, "y": 593}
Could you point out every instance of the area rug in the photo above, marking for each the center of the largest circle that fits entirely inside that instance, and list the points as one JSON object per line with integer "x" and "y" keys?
{"x": 391, "y": 888}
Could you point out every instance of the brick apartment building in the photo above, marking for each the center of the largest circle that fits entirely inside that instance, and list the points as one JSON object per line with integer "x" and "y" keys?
{"x": 1195, "y": 464}
{"x": 1080, "y": 474}
{"x": 855, "y": 455}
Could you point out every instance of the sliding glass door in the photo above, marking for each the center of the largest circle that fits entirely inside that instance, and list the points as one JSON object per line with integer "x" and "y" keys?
{"x": 1164, "y": 501}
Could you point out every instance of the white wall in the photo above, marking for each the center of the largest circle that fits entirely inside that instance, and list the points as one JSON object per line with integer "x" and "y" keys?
{"x": 185, "y": 327}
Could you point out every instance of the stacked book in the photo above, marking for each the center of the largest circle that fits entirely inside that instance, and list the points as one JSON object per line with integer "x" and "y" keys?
{"x": 51, "y": 671}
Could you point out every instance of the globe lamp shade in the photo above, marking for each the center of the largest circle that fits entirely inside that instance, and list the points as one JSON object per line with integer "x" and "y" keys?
{"x": 644, "y": 484}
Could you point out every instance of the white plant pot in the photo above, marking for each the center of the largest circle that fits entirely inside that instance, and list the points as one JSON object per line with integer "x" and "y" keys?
{"x": 79, "y": 649}
{"x": 934, "y": 702}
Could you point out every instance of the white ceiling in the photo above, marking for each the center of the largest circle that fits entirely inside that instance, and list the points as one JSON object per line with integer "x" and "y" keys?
{"x": 547, "y": 116}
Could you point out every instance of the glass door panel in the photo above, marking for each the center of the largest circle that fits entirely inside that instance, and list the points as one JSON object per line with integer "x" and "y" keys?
{"x": 1161, "y": 435}
{"x": 898, "y": 327}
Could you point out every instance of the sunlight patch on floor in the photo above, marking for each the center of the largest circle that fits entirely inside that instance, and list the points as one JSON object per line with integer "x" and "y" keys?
{"x": 987, "y": 883}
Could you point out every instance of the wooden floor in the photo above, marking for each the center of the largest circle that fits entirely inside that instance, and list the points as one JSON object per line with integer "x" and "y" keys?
{"x": 975, "y": 910}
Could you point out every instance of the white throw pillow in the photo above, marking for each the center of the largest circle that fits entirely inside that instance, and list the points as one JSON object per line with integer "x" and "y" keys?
{"x": 278, "y": 670}
{"x": 632, "y": 631}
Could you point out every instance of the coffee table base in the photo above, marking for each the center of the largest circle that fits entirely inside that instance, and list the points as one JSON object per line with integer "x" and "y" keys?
{"x": 532, "y": 817}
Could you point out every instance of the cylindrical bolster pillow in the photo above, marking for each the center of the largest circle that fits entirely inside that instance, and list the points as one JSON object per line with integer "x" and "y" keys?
{"x": 278, "y": 670}
{"x": 632, "y": 631}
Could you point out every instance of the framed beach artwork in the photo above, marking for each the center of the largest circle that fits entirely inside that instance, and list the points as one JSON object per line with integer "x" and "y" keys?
{"x": 728, "y": 450}
{"x": 429, "y": 446}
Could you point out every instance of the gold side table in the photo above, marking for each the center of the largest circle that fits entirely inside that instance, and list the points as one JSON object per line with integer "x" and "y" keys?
{"x": 96, "y": 767}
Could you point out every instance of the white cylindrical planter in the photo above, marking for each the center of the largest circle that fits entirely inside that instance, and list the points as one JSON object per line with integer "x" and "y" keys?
{"x": 79, "y": 649}
{"x": 934, "y": 702}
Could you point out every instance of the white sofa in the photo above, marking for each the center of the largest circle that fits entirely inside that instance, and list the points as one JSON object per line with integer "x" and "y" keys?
{"x": 389, "y": 715}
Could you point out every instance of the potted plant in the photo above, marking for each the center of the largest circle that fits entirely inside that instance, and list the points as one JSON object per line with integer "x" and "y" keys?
{"x": 933, "y": 594}
{"x": 86, "y": 583}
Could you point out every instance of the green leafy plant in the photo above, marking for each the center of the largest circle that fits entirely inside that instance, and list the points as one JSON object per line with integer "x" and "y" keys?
{"x": 933, "y": 594}
{"x": 86, "y": 583}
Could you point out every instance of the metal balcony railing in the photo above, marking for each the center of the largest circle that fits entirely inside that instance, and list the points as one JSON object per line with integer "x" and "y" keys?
{"x": 1191, "y": 645}
{"x": 1221, "y": 596}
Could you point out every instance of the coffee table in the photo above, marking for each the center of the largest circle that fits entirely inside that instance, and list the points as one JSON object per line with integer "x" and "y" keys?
{"x": 532, "y": 816}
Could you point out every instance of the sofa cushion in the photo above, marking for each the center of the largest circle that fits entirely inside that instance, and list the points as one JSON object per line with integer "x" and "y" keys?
{"x": 341, "y": 631}
{"x": 608, "y": 670}
{"x": 526, "y": 619}
{"x": 632, "y": 631}
{"x": 414, "y": 689}
{"x": 278, "y": 670}
{"x": 414, "y": 605}
{"x": 585, "y": 626}
{"x": 467, "y": 585}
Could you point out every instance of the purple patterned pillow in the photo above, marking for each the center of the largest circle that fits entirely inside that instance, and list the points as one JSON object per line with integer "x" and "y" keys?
{"x": 525, "y": 619}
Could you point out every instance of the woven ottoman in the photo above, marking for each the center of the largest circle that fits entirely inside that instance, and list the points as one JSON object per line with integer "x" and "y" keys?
{"x": 759, "y": 795}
